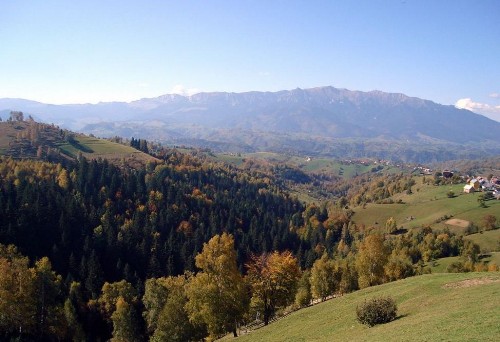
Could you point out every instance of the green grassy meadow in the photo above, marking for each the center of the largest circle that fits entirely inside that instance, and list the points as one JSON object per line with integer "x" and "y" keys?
{"x": 427, "y": 204}
{"x": 488, "y": 240}
{"x": 94, "y": 148}
{"x": 440, "y": 265}
{"x": 316, "y": 165}
{"x": 97, "y": 146}
{"x": 435, "y": 307}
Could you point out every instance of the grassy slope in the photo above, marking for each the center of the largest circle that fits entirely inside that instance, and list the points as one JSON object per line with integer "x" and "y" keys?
{"x": 488, "y": 240}
{"x": 316, "y": 165}
{"x": 427, "y": 204}
{"x": 91, "y": 148}
{"x": 427, "y": 312}
{"x": 440, "y": 265}
{"x": 94, "y": 148}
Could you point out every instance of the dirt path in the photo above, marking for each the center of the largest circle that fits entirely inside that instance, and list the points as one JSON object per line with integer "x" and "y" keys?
{"x": 470, "y": 283}
{"x": 458, "y": 223}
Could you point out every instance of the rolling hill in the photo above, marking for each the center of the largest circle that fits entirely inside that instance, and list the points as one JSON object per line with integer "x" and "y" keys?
{"x": 437, "y": 307}
{"x": 320, "y": 121}
{"x": 427, "y": 205}
{"x": 29, "y": 139}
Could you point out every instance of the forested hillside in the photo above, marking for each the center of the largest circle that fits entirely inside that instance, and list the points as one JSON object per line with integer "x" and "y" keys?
{"x": 186, "y": 247}
{"x": 142, "y": 223}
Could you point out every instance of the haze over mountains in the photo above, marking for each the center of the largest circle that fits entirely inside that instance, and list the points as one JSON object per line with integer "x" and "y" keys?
{"x": 323, "y": 120}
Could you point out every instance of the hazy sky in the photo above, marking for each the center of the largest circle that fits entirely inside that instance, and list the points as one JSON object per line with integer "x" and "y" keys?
{"x": 90, "y": 51}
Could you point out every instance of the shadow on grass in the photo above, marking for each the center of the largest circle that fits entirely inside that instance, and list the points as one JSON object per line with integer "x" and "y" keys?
{"x": 81, "y": 147}
{"x": 484, "y": 255}
{"x": 401, "y": 316}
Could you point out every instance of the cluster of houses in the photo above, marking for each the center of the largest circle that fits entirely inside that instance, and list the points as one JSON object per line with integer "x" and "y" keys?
{"x": 483, "y": 184}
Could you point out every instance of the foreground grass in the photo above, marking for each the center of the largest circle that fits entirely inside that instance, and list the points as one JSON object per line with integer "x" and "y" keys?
{"x": 436, "y": 307}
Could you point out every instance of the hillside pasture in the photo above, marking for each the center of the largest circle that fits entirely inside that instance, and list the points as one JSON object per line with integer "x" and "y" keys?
{"x": 94, "y": 148}
{"x": 488, "y": 240}
{"x": 428, "y": 205}
{"x": 327, "y": 166}
{"x": 435, "y": 307}
{"x": 441, "y": 265}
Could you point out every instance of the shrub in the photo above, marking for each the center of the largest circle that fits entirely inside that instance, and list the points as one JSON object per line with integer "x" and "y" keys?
{"x": 377, "y": 311}
{"x": 303, "y": 297}
{"x": 460, "y": 267}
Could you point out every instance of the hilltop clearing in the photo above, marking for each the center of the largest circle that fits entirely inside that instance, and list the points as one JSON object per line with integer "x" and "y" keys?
{"x": 34, "y": 140}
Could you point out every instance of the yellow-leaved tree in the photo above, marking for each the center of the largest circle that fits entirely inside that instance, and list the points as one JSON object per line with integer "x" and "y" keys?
{"x": 325, "y": 278}
{"x": 216, "y": 294}
{"x": 273, "y": 278}
{"x": 370, "y": 261}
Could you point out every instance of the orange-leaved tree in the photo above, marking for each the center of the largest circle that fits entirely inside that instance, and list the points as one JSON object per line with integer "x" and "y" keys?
{"x": 273, "y": 278}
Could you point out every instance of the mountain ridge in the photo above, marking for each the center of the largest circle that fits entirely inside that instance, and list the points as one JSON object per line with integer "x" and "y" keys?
{"x": 272, "y": 120}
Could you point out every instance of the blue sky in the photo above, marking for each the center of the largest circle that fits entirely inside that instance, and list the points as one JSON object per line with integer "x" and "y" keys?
{"x": 91, "y": 51}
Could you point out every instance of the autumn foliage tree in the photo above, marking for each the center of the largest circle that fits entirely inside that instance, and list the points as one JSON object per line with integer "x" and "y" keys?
{"x": 30, "y": 298}
{"x": 370, "y": 261}
{"x": 324, "y": 278}
{"x": 217, "y": 294}
{"x": 273, "y": 278}
{"x": 165, "y": 312}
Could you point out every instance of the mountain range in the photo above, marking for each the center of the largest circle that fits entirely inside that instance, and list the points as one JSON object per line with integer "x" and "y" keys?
{"x": 322, "y": 120}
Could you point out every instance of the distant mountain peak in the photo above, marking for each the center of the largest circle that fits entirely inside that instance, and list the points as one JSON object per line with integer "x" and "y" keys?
{"x": 255, "y": 120}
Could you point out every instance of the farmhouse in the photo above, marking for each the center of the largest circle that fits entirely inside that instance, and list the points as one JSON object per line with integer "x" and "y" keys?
{"x": 475, "y": 183}
{"x": 469, "y": 189}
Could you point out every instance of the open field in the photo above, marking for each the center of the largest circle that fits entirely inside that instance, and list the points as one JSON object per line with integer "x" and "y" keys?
{"x": 488, "y": 240}
{"x": 457, "y": 223}
{"x": 440, "y": 265}
{"x": 316, "y": 165}
{"x": 97, "y": 146}
{"x": 435, "y": 307}
{"x": 428, "y": 205}
{"x": 51, "y": 136}
{"x": 94, "y": 148}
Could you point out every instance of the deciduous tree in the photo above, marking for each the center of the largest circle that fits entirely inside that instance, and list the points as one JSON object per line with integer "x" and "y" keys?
{"x": 125, "y": 325}
{"x": 370, "y": 261}
{"x": 390, "y": 225}
{"x": 217, "y": 293}
{"x": 173, "y": 320}
{"x": 489, "y": 222}
{"x": 273, "y": 278}
{"x": 323, "y": 278}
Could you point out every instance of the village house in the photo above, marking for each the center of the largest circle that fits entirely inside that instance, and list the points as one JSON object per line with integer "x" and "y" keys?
{"x": 468, "y": 189}
{"x": 475, "y": 183}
